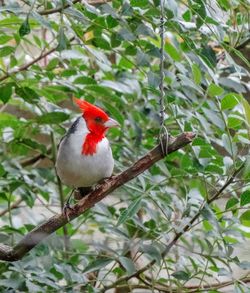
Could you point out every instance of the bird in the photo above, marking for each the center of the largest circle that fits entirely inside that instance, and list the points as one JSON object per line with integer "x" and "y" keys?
{"x": 84, "y": 156}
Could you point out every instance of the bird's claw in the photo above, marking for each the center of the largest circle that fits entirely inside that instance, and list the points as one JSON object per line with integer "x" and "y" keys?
{"x": 66, "y": 210}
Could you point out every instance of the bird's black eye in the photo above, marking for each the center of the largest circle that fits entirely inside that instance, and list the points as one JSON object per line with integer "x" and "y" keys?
{"x": 98, "y": 119}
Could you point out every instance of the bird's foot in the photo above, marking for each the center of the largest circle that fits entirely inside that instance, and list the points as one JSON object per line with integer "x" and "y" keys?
{"x": 81, "y": 192}
{"x": 66, "y": 208}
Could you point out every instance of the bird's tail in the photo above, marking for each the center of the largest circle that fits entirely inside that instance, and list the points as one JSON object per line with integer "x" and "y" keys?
{"x": 80, "y": 192}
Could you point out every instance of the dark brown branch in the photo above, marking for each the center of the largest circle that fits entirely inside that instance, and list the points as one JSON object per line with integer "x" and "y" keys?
{"x": 59, "y": 9}
{"x": 179, "y": 234}
{"x": 29, "y": 241}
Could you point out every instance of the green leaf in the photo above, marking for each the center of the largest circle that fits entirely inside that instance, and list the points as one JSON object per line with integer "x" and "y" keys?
{"x": 62, "y": 40}
{"x": 152, "y": 252}
{"x": 6, "y": 92}
{"x": 245, "y": 198}
{"x": 26, "y": 93}
{"x": 127, "y": 35}
{"x": 40, "y": 19}
{"x": 97, "y": 265}
{"x": 234, "y": 122}
{"x": 245, "y": 265}
{"x": 52, "y": 64}
{"x": 215, "y": 90}
{"x": 181, "y": 275}
{"x": 114, "y": 112}
{"x": 128, "y": 264}
{"x": 196, "y": 73}
{"x": 141, "y": 3}
{"x": 246, "y": 110}
{"x": 4, "y": 39}
{"x": 24, "y": 28}
{"x": 52, "y": 118}
{"x": 173, "y": 52}
{"x": 245, "y": 219}
{"x": 231, "y": 202}
{"x": 101, "y": 43}
{"x": 84, "y": 80}
{"x": 111, "y": 22}
{"x": 229, "y": 101}
{"x": 32, "y": 287}
{"x": 76, "y": 14}
{"x": 130, "y": 211}
{"x": 212, "y": 168}
{"x": 7, "y": 50}
{"x": 131, "y": 50}
{"x": 153, "y": 79}
{"x": 114, "y": 42}
{"x": 2, "y": 170}
{"x": 33, "y": 144}
{"x": 224, "y": 4}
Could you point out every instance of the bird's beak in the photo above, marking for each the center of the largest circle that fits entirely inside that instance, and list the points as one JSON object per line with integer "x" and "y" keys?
{"x": 111, "y": 123}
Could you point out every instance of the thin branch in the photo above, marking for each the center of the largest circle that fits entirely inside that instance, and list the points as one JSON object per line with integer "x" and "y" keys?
{"x": 27, "y": 65}
{"x": 61, "y": 8}
{"x": 36, "y": 158}
{"x": 38, "y": 234}
{"x": 12, "y": 206}
{"x": 218, "y": 285}
{"x": 60, "y": 192}
{"x": 179, "y": 234}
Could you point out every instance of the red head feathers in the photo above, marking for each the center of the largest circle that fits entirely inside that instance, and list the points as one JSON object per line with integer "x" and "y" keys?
{"x": 97, "y": 121}
{"x": 90, "y": 110}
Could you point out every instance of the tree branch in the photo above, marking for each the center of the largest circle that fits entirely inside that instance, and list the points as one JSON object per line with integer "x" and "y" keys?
{"x": 190, "y": 289}
{"x": 59, "y": 9}
{"x": 14, "y": 205}
{"x": 27, "y": 65}
{"x": 36, "y": 158}
{"x": 34, "y": 237}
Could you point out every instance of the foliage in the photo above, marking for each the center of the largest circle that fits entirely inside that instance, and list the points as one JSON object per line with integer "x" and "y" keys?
{"x": 109, "y": 55}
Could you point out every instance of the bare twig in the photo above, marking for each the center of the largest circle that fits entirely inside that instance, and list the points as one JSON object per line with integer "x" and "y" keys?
{"x": 38, "y": 234}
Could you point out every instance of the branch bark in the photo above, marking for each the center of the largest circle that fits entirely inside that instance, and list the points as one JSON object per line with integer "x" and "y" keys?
{"x": 38, "y": 234}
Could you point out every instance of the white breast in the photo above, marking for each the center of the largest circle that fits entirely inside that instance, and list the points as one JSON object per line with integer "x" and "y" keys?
{"x": 77, "y": 170}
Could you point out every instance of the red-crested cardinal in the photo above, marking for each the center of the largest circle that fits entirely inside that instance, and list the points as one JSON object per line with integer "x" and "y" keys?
{"x": 84, "y": 155}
